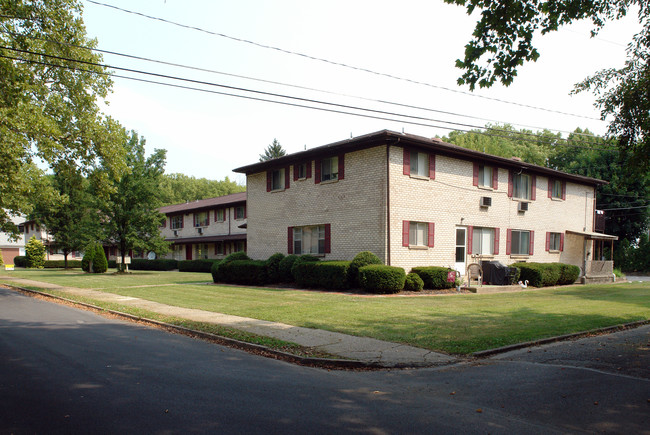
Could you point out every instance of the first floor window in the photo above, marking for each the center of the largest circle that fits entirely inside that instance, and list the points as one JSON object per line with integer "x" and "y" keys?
{"x": 201, "y": 251}
{"x": 330, "y": 168}
{"x": 178, "y": 253}
{"x": 218, "y": 248}
{"x": 554, "y": 241}
{"x": 309, "y": 240}
{"x": 240, "y": 246}
{"x": 240, "y": 212}
{"x": 176, "y": 222}
{"x": 483, "y": 241}
{"x": 417, "y": 233}
{"x": 201, "y": 219}
{"x": 520, "y": 242}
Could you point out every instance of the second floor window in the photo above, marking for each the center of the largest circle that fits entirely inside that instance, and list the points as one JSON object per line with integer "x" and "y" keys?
{"x": 419, "y": 164}
{"x": 330, "y": 169}
{"x": 277, "y": 179}
{"x": 219, "y": 215}
{"x": 485, "y": 176}
{"x": 201, "y": 219}
{"x": 176, "y": 222}
{"x": 522, "y": 186}
{"x": 240, "y": 212}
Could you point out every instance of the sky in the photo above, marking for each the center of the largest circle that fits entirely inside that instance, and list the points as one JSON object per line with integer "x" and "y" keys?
{"x": 270, "y": 48}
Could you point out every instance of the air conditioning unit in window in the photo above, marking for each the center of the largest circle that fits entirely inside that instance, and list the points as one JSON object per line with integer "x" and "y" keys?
{"x": 200, "y": 230}
{"x": 486, "y": 201}
{"x": 522, "y": 206}
{"x": 175, "y": 233}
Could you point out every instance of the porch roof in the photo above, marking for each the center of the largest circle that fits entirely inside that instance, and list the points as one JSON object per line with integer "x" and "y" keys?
{"x": 593, "y": 236}
{"x": 206, "y": 239}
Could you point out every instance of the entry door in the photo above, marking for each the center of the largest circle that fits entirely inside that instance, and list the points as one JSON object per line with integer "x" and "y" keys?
{"x": 461, "y": 249}
{"x": 188, "y": 252}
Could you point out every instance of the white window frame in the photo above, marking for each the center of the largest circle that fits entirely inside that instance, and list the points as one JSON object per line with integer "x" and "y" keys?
{"x": 521, "y": 189}
{"x": 329, "y": 169}
{"x": 419, "y": 163}
{"x": 419, "y": 234}
{"x": 482, "y": 241}
{"x": 519, "y": 248}
{"x": 309, "y": 240}
{"x": 176, "y": 222}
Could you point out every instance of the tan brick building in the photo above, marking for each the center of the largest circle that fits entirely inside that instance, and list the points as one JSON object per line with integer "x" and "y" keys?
{"x": 416, "y": 201}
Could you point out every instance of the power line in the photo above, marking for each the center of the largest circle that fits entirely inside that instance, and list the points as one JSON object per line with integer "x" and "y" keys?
{"x": 624, "y": 208}
{"x": 282, "y": 50}
{"x": 288, "y": 97}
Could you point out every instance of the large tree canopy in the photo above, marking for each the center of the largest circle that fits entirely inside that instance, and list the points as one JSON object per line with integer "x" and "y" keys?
{"x": 503, "y": 41}
{"x": 48, "y": 96}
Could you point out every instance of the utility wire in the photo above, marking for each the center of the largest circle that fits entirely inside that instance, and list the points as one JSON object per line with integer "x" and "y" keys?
{"x": 282, "y": 50}
{"x": 624, "y": 208}
{"x": 283, "y": 96}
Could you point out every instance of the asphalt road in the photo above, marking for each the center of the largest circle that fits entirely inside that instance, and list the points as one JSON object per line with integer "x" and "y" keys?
{"x": 64, "y": 370}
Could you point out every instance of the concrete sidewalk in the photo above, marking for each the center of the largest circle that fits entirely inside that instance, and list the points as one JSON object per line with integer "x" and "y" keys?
{"x": 363, "y": 349}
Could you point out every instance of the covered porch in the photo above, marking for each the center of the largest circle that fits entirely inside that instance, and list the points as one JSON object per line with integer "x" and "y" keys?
{"x": 596, "y": 266}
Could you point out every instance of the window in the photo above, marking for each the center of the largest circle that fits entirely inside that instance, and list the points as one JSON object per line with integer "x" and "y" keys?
{"x": 201, "y": 251}
{"x": 240, "y": 212}
{"x": 312, "y": 239}
{"x": 419, "y": 164}
{"x": 485, "y": 176}
{"x": 520, "y": 242}
{"x": 277, "y": 179}
{"x": 219, "y": 215}
{"x": 556, "y": 189}
{"x": 201, "y": 219}
{"x": 521, "y": 186}
{"x": 178, "y": 253}
{"x": 417, "y": 234}
{"x": 240, "y": 246}
{"x": 554, "y": 241}
{"x": 219, "y": 248}
{"x": 176, "y": 222}
{"x": 330, "y": 169}
{"x": 300, "y": 171}
{"x": 484, "y": 241}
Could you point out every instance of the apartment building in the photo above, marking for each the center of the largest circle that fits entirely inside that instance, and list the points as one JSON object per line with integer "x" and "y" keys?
{"x": 416, "y": 201}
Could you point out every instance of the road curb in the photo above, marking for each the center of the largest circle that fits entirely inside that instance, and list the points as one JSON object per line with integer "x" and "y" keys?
{"x": 599, "y": 331}
{"x": 327, "y": 363}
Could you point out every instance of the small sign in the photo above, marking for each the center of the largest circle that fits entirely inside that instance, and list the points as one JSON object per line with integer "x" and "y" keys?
{"x": 9, "y": 267}
{"x": 451, "y": 276}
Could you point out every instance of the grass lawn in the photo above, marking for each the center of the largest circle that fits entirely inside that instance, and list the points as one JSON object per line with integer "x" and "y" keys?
{"x": 458, "y": 324}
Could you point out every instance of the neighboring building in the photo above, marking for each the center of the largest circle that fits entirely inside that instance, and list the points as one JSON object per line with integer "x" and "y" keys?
{"x": 416, "y": 201}
{"x": 52, "y": 252}
{"x": 12, "y": 248}
{"x": 208, "y": 228}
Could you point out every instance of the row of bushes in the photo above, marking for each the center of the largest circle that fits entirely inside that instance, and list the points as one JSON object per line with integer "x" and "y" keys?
{"x": 548, "y": 274}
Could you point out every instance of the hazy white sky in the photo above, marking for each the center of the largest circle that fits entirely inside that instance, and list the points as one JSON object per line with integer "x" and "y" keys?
{"x": 207, "y": 134}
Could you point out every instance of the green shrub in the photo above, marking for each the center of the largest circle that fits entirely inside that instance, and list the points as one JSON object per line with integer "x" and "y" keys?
{"x": 159, "y": 264}
{"x": 363, "y": 258}
{"x": 331, "y": 275}
{"x": 514, "y": 274}
{"x": 413, "y": 282}
{"x": 273, "y": 267}
{"x": 284, "y": 268}
{"x": 377, "y": 278}
{"x": 548, "y": 274}
{"x": 59, "y": 264}
{"x": 246, "y": 272}
{"x": 305, "y": 258}
{"x": 434, "y": 277}
{"x": 200, "y": 265}
{"x": 100, "y": 265}
{"x": 20, "y": 261}
{"x": 35, "y": 253}
{"x": 568, "y": 274}
{"x": 216, "y": 268}
{"x": 112, "y": 264}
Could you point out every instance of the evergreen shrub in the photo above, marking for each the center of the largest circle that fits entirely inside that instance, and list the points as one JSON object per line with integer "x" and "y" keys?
{"x": 273, "y": 267}
{"x": 284, "y": 268}
{"x": 331, "y": 275}
{"x": 100, "y": 265}
{"x": 216, "y": 267}
{"x": 159, "y": 264}
{"x": 246, "y": 272}
{"x": 60, "y": 264}
{"x": 548, "y": 274}
{"x": 20, "y": 261}
{"x": 305, "y": 258}
{"x": 413, "y": 282}
{"x": 35, "y": 253}
{"x": 363, "y": 258}
{"x": 434, "y": 277}
{"x": 200, "y": 265}
{"x": 377, "y": 278}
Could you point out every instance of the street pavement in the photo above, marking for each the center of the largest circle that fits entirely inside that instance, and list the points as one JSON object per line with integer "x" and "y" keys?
{"x": 65, "y": 370}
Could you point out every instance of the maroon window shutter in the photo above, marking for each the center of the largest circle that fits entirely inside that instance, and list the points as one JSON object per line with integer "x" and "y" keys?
{"x": 317, "y": 177}
{"x": 308, "y": 175}
{"x": 432, "y": 166}
{"x": 550, "y": 187}
{"x": 290, "y": 240}
{"x": 508, "y": 241}
{"x": 563, "y": 191}
{"x": 475, "y": 179}
{"x": 328, "y": 238}
{"x": 510, "y": 185}
{"x": 194, "y": 219}
{"x": 561, "y": 241}
{"x": 341, "y": 166}
{"x": 268, "y": 181}
{"x": 431, "y": 235}
{"x": 245, "y": 212}
{"x": 533, "y": 188}
{"x": 407, "y": 162}
{"x": 548, "y": 241}
{"x": 295, "y": 172}
{"x": 531, "y": 251}
{"x": 182, "y": 221}
{"x": 287, "y": 184}
{"x": 495, "y": 178}
{"x": 496, "y": 242}
{"x": 405, "y": 233}
{"x": 470, "y": 239}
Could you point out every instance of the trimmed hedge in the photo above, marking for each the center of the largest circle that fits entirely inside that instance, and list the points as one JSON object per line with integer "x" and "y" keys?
{"x": 20, "y": 261}
{"x": 247, "y": 272}
{"x": 284, "y": 268}
{"x": 434, "y": 277}
{"x": 377, "y": 278}
{"x": 363, "y": 258}
{"x": 413, "y": 282}
{"x": 305, "y": 258}
{"x": 273, "y": 267}
{"x": 158, "y": 264}
{"x": 331, "y": 275}
{"x": 216, "y": 269}
{"x": 200, "y": 265}
{"x": 548, "y": 274}
{"x": 60, "y": 264}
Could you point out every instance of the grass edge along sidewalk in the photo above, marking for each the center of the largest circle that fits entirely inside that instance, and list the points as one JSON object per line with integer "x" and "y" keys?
{"x": 457, "y": 325}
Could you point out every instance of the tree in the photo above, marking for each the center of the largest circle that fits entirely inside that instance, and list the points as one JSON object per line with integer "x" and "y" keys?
{"x": 69, "y": 218}
{"x": 35, "y": 253}
{"x": 503, "y": 41}
{"x": 178, "y": 188}
{"x": 272, "y": 151}
{"x": 48, "y": 95}
{"x": 130, "y": 212}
